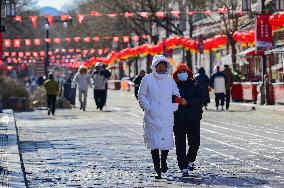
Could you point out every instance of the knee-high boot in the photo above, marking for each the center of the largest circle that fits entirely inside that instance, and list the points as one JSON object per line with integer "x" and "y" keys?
{"x": 156, "y": 161}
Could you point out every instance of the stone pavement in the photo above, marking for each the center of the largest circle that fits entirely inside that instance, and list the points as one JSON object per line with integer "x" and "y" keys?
{"x": 239, "y": 148}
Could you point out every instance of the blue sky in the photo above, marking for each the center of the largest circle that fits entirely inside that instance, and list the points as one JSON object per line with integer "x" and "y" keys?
{"x": 53, "y": 3}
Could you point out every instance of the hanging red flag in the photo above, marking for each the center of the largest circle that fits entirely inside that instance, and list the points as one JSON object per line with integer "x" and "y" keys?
{"x": 7, "y": 43}
{"x": 126, "y": 39}
{"x": 37, "y": 42}
{"x": 128, "y": 14}
{"x": 87, "y": 39}
{"x": 116, "y": 39}
{"x": 144, "y": 14}
{"x": 28, "y": 42}
{"x": 18, "y": 18}
{"x": 57, "y": 40}
{"x": 95, "y": 13}
{"x": 33, "y": 19}
{"x": 42, "y": 53}
{"x": 48, "y": 40}
{"x": 96, "y": 39}
{"x": 65, "y": 17}
{"x": 50, "y": 20}
{"x": 175, "y": 13}
{"x": 135, "y": 38}
{"x": 81, "y": 18}
{"x": 68, "y": 39}
{"x": 160, "y": 14}
{"x": 76, "y": 39}
{"x": 112, "y": 15}
{"x": 17, "y": 43}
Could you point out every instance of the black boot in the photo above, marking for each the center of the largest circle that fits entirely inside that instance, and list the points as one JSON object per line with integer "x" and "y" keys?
{"x": 164, "y": 166}
{"x": 156, "y": 161}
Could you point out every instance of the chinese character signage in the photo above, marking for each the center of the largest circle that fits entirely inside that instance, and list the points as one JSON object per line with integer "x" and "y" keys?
{"x": 263, "y": 33}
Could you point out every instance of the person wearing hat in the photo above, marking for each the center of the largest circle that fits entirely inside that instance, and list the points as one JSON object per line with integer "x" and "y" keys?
{"x": 100, "y": 81}
{"x": 52, "y": 90}
{"x": 187, "y": 118}
{"x": 82, "y": 79}
{"x": 155, "y": 96}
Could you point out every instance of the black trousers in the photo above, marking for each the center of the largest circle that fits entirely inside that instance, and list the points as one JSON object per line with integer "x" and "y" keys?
{"x": 191, "y": 133}
{"x": 156, "y": 158}
{"x": 100, "y": 98}
{"x": 51, "y": 103}
{"x": 219, "y": 97}
{"x": 228, "y": 97}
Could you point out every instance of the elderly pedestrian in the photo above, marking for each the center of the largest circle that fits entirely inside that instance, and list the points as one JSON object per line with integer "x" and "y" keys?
{"x": 52, "y": 90}
{"x": 82, "y": 79}
{"x": 187, "y": 118}
{"x": 155, "y": 96}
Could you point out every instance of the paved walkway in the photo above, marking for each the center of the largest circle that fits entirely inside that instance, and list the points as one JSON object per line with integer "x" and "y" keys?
{"x": 239, "y": 148}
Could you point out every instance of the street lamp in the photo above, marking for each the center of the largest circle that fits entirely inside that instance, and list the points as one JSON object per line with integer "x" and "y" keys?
{"x": 46, "y": 61}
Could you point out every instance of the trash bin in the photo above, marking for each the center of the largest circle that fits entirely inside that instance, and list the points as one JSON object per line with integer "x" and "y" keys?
{"x": 69, "y": 93}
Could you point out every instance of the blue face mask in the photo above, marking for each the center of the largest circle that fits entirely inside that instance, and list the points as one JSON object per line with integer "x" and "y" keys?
{"x": 182, "y": 76}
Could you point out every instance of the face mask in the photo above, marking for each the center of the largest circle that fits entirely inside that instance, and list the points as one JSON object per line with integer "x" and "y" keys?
{"x": 182, "y": 76}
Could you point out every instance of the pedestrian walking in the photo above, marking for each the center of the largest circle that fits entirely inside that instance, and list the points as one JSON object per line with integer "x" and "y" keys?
{"x": 107, "y": 75}
{"x": 229, "y": 84}
{"x": 137, "y": 82}
{"x": 52, "y": 90}
{"x": 100, "y": 81}
{"x": 204, "y": 82}
{"x": 155, "y": 96}
{"x": 187, "y": 118}
{"x": 218, "y": 83}
{"x": 82, "y": 79}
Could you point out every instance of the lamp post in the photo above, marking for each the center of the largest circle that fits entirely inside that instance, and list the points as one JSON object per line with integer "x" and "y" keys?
{"x": 46, "y": 60}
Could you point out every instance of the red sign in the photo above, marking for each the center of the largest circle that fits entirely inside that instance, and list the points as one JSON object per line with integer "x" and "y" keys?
{"x": 263, "y": 32}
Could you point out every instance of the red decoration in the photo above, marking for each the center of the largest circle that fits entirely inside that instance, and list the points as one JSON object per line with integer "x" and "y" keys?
{"x": 144, "y": 14}
{"x": 28, "y": 54}
{"x": 42, "y": 53}
{"x": 128, "y": 14}
{"x": 13, "y": 54}
{"x": 95, "y": 13}
{"x": 68, "y": 39}
{"x": 6, "y": 54}
{"x": 175, "y": 13}
{"x": 48, "y": 40}
{"x": 21, "y": 54}
{"x": 18, "y": 18}
{"x": 135, "y": 38}
{"x": 76, "y": 39}
{"x": 65, "y": 17}
{"x": 50, "y": 20}
{"x": 57, "y": 40}
{"x": 96, "y": 39}
{"x": 37, "y": 42}
{"x": 100, "y": 51}
{"x": 160, "y": 14}
{"x": 33, "y": 19}
{"x": 35, "y": 54}
{"x": 116, "y": 39}
{"x": 7, "y": 43}
{"x": 17, "y": 43}
{"x": 92, "y": 51}
{"x": 126, "y": 39}
{"x": 191, "y": 13}
{"x": 71, "y": 50}
{"x": 87, "y": 39}
{"x": 112, "y": 15}
{"x": 28, "y": 42}
{"x": 81, "y": 18}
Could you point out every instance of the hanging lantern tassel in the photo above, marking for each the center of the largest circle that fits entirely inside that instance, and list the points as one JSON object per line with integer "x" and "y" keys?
{"x": 33, "y": 19}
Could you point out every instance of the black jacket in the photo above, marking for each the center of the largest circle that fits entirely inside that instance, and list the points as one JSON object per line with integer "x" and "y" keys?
{"x": 191, "y": 91}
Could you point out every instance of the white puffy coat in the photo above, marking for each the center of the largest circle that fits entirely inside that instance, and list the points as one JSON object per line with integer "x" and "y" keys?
{"x": 155, "y": 96}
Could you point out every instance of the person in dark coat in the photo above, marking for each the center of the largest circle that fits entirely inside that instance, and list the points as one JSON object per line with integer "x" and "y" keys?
{"x": 137, "y": 82}
{"x": 187, "y": 118}
{"x": 204, "y": 82}
{"x": 52, "y": 90}
{"x": 229, "y": 84}
{"x": 107, "y": 75}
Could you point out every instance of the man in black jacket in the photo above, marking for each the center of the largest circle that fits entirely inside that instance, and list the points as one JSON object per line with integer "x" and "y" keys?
{"x": 187, "y": 118}
{"x": 137, "y": 82}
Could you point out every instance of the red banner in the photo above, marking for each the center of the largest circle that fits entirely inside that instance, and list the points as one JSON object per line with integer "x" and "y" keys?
{"x": 263, "y": 33}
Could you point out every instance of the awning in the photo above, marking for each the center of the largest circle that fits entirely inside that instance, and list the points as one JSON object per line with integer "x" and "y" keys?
{"x": 249, "y": 52}
{"x": 275, "y": 51}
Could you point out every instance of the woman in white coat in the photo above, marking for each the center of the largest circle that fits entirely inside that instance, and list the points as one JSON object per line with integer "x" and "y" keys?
{"x": 156, "y": 97}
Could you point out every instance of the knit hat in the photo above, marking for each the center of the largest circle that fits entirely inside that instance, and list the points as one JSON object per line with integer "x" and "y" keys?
{"x": 98, "y": 64}
{"x": 161, "y": 58}
{"x": 182, "y": 66}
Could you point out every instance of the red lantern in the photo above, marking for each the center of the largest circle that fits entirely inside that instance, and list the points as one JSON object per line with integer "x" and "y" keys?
{"x": 135, "y": 38}
{"x": 35, "y": 54}
{"x": 128, "y": 14}
{"x": 96, "y": 39}
{"x": 17, "y": 43}
{"x": 115, "y": 39}
{"x": 13, "y": 54}
{"x": 18, "y": 18}
{"x": 112, "y": 15}
{"x": 175, "y": 13}
{"x": 65, "y": 17}
{"x": 42, "y": 53}
{"x": 95, "y": 13}
{"x": 21, "y": 54}
{"x": 6, "y": 54}
{"x": 160, "y": 15}
{"x": 7, "y": 43}
{"x": 100, "y": 51}
{"x": 48, "y": 40}
{"x": 76, "y": 39}
{"x": 68, "y": 39}
{"x": 81, "y": 18}
{"x": 126, "y": 39}
{"x": 144, "y": 14}
{"x": 57, "y": 40}
{"x": 87, "y": 39}
{"x": 28, "y": 54}
{"x": 37, "y": 42}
